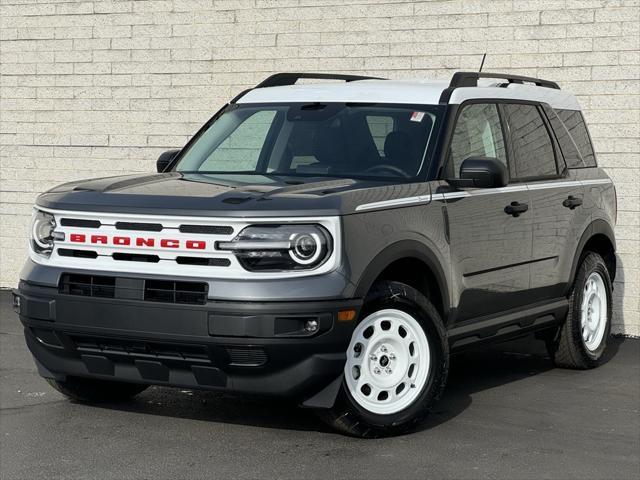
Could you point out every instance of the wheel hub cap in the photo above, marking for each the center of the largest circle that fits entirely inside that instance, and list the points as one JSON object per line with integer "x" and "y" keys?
{"x": 388, "y": 361}
{"x": 594, "y": 311}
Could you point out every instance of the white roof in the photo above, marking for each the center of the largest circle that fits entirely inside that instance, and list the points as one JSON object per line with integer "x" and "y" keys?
{"x": 418, "y": 92}
{"x": 556, "y": 98}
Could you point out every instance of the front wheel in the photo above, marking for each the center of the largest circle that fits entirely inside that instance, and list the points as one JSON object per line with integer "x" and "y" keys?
{"x": 397, "y": 363}
{"x": 582, "y": 339}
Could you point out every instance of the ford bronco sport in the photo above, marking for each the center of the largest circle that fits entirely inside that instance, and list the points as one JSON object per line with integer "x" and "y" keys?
{"x": 333, "y": 243}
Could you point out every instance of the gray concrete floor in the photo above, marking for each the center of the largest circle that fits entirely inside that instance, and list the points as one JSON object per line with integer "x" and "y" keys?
{"x": 506, "y": 414}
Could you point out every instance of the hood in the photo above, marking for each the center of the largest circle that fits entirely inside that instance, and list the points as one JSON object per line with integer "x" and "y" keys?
{"x": 218, "y": 195}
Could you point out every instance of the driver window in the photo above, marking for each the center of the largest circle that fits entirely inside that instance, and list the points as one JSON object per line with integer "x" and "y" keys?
{"x": 477, "y": 134}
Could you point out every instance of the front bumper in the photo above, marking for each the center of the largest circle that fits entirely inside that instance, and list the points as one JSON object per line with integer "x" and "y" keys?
{"x": 248, "y": 347}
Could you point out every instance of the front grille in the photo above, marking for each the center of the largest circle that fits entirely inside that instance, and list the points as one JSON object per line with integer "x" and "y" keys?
{"x": 79, "y": 222}
{"x": 211, "y": 262}
{"x": 135, "y": 257}
{"x": 167, "y": 291}
{"x": 145, "y": 258}
{"x": 206, "y": 229}
{"x": 141, "y": 349}
{"x": 70, "y": 252}
{"x": 247, "y": 356}
{"x": 88, "y": 286}
{"x": 153, "y": 246}
{"x": 175, "y": 292}
{"x": 144, "y": 227}
{"x": 110, "y": 241}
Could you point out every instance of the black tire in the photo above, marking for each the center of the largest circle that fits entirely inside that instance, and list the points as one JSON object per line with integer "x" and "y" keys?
{"x": 88, "y": 390}
{"x": 568, "y": 348}
{"x": 348, "y": 417}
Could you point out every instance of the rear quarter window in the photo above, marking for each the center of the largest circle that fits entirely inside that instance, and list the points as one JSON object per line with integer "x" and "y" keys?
{"x": 577, "y": 128}
{"x": 571, "y": 154}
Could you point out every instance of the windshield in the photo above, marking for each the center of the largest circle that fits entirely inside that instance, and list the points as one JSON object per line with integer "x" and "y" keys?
{"x": 316, "y": 139}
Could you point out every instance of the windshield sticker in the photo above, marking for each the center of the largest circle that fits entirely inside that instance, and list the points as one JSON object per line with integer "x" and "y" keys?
{"x": 417, "y": 116}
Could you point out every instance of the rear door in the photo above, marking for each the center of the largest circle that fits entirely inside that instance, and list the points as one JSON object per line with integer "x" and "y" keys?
{"x": 490, "y": 249}
{"x": 556, "y": 198}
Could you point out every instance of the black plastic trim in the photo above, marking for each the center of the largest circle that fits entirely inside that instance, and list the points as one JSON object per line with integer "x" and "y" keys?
{"x": 507, "y": 325}
{"x": 283, "y": 79}
{"x": 489, "y": 270}
{"x": 597, "y": 227}
{"x": 470, "y": 79}
{"x": 285, "y": 361}
{"x": 79, "y": 222}
{"x": 139, "y": 226}
{"x": 399, "y": 251}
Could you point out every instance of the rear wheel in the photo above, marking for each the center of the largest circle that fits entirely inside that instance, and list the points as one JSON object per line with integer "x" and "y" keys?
{"x": 396, "y": 366}
{"x": 582, "y": 340}
{"x": 88, "y": 390}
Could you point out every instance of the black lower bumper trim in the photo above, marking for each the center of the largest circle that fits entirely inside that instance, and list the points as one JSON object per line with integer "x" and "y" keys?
{"x": 299, "y": 380}
{"x": 263, "y": 350}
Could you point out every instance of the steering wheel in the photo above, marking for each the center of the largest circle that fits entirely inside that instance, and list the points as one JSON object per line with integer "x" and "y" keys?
{"x": 389, "y": 168}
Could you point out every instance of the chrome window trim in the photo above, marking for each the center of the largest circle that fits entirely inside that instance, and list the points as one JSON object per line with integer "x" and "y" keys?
{"x": 424, "y": 199}
{"x": 398, "y": 202}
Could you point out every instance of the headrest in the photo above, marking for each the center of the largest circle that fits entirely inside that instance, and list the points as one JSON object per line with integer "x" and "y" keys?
{"x": 329, "y": 147}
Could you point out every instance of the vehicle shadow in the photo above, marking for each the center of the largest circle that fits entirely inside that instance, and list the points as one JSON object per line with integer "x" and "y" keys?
{"x": 472, "y": 371}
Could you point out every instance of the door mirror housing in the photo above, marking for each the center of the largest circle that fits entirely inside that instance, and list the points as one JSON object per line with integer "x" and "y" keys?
{"x": 481, "y": 172}
{"x": 165, "y": 159}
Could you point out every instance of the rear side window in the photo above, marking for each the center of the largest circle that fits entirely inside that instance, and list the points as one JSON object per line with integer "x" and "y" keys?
{"x": 575, "y": 125}
{"x": 533, "y": 154}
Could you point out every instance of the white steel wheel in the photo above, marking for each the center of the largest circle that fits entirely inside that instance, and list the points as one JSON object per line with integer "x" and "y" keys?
{"x": 581, "y": 341}
{"x": 388, "y": 362}
{"x": 593, "y": 311}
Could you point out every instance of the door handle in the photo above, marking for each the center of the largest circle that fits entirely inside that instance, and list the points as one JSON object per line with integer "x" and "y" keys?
{"x": 516, "y": 208}
{"x": 572, "y": 202}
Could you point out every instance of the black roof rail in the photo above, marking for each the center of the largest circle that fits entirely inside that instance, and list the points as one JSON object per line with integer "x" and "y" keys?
{"x": 281, "y": 79}
{"x": 470, "y": 79}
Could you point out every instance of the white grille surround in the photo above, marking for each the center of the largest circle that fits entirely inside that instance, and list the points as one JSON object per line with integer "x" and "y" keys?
{"x": 170, "y": 234}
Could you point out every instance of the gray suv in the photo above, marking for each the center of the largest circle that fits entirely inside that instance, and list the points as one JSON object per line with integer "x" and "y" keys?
{"x": 331, "y": 242}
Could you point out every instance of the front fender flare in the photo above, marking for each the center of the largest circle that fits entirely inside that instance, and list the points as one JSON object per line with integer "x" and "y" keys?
{"x": 398, "y": 251}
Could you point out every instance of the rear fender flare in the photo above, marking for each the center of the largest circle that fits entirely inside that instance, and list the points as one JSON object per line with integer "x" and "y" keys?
{"x": 597, "y": 227}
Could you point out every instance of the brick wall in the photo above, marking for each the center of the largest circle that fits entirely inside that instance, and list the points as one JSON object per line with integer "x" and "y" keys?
{"x": 102, "y": 87}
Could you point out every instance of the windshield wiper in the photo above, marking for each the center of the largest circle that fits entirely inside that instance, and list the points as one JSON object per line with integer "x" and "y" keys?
{"x": 280, "y": 177}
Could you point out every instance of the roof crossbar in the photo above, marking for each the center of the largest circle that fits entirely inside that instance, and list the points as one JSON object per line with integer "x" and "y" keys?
{"x": 282, "y": 79}
{"x": 470, "y": 79}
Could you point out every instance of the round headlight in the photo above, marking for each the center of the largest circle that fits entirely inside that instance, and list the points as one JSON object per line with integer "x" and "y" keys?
{"x": 280, "y": 247}
{"x": 305, "y": 248}
{"x": 42, "y": 232}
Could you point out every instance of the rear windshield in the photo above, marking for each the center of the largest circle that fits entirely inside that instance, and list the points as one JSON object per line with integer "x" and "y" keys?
{"x": 316, "y": 139}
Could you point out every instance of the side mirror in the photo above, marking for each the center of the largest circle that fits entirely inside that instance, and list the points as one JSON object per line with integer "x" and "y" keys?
{"x": 481, "y": 172}
{"x": 165, "y": 159}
